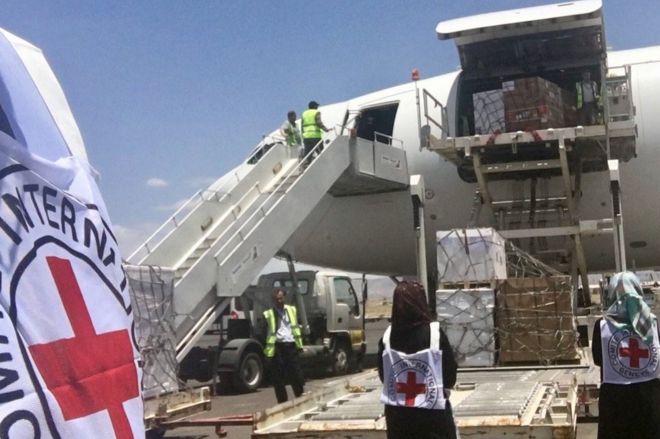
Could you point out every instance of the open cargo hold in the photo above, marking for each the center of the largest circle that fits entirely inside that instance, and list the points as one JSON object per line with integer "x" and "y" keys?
{"x": 524, "y": 104}
{"x": 553, "y": 50}
{"x": 532, "y": 104}
{"x": 535, "y": 321}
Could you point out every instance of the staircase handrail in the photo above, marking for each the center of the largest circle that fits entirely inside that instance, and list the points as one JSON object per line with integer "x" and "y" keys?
{"x": 390, "y": 139}
{"x": 275, "y": 191}
{"x": 173, "y": 219}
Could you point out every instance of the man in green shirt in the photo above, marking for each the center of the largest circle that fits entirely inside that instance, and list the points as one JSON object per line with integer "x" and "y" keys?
{"x": 290, "y": 131}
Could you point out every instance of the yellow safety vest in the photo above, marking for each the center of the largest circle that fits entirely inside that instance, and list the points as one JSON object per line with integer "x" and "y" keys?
{"x": 310, "y": 130}
{"x": 271, "y": 320}
{"x": 578, "y": 90}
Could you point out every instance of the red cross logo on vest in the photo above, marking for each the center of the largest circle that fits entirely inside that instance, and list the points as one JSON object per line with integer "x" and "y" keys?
{"x": 88, "y": 372}
{"x": 634, "y": 352}
{"x": 411, "y": 388}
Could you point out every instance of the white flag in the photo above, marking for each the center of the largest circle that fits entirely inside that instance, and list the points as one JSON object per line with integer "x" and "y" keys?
{"x": 68, "y": 359}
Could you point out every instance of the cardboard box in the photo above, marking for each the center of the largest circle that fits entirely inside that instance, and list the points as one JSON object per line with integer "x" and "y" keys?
{"x": 467, "y": 317}
{"x": 470, "y": 255}
{"x": 535, "y": 321}
{"x": 488, "y": 112}
{"x": 532, "y": 104}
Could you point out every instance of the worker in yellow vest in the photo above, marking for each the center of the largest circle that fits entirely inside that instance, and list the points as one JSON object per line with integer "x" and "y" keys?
{"x": 587, "y": 100}
{"x": 283, "y": 342}
{"x": 312, "y": 129}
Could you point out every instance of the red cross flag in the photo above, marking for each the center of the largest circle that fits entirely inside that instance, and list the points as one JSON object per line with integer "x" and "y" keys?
{"x": 68, "y": 359}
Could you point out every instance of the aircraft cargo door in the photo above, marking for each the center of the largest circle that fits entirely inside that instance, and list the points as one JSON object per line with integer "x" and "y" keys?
{"x": 377, "y": 123}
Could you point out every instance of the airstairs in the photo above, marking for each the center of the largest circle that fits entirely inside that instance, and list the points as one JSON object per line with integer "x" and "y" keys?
{"x": 221, "y": 239}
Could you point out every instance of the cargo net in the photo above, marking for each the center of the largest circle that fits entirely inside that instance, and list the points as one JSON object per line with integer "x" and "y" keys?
{"x": 524, "y": 104}
{"x": 151, "y": 291}
{"x": 488, "y": 112}
{"x": 500, "y": 305}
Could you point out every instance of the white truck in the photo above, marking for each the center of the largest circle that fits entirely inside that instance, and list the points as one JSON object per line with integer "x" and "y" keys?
{"x": 331, "y": 315}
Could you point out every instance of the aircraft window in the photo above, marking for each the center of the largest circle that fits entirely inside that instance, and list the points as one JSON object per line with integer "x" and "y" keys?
{"x": 376, "y": 120}
{"x": 344, "y": 293}
{"x": 303, "y": 285}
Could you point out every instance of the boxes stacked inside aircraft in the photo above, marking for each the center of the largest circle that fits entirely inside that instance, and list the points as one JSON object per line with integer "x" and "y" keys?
{"x": 524, "y": 104}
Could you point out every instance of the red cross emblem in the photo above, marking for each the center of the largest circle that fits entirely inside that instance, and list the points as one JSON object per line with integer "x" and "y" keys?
{"x": 411, "y": 388}
{"x": 88, "y": 372}
{"x": 634, "y": 352}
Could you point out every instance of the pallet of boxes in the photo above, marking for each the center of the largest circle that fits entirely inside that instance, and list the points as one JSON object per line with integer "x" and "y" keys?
{"x": 524, "y": 104}
{"x": 493, "y": 319}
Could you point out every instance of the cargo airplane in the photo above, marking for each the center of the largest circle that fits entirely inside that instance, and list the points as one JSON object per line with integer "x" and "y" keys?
{"x": 557, "y": 43}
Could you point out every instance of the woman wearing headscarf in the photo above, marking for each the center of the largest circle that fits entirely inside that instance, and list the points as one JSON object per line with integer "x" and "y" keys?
{"x": 625, "y": 345}
{"x": 417, "y": 367}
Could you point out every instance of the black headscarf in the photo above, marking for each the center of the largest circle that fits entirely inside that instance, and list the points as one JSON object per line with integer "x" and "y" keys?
{"x": 409, "y": 307}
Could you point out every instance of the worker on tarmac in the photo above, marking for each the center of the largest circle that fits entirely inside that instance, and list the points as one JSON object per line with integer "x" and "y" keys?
{"x": 626, "y": 347}
{"x": 417, "y": 367}
{"x": 312, "y": 129}
{"x": 283, "y": 342}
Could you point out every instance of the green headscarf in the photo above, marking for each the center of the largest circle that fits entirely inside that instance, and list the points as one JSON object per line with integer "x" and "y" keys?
{"x": 627, "y": 309}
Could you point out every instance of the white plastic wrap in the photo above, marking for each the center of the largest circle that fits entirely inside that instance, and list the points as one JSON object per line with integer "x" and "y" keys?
{"x": 471, "y": 255}
{"x": 152, "y": 295}
{"x": 467, "y": 317}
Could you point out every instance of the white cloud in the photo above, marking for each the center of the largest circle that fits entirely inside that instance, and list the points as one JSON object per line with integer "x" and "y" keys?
{"x": 157, "y": 182}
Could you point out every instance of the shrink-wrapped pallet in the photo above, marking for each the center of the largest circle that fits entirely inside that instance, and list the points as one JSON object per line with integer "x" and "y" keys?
{"x": 470, "y": 255}
{"x": 467, "y": 317}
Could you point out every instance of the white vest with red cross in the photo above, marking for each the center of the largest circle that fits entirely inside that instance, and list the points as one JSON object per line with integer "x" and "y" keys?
{"x": 413, "y": 380}
{"x": 627, "y": 358}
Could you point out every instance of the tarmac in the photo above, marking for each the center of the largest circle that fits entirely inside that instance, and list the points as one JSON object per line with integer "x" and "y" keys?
{"x": 263, "y": 398}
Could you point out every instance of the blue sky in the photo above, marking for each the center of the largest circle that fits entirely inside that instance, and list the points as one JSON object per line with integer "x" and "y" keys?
{"x": 170, "y": 95}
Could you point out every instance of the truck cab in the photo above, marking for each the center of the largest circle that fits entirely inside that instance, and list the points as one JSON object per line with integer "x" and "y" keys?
{"x": 332, "y": 321}
{"x": 335, "y": 335}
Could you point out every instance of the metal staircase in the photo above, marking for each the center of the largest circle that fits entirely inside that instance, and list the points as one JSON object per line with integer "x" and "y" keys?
{"x": 220, "y": 240}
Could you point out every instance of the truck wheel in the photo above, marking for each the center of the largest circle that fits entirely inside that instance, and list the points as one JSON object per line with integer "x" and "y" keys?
{"x": 340, "y": 359}
{"x": 250, "y": 373}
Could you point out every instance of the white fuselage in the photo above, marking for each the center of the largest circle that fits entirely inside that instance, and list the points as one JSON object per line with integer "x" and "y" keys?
{"x": 374, "y": 233}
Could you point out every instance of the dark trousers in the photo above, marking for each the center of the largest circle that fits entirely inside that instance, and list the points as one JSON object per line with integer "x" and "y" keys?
{"x": 285, "y": 369}
{"x": 309, "y": 145}
{"x": 588, "y": 114}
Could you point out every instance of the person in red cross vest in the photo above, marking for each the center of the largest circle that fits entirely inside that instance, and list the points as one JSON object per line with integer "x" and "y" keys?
{"x": 626, "y": 347}
{"x": 417, "y": 367}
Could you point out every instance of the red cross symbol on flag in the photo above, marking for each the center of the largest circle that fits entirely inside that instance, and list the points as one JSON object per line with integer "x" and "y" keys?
{"x": 411, "y": 388}
{"x": 634, "y": 352}
{"x": 88, "y": 372}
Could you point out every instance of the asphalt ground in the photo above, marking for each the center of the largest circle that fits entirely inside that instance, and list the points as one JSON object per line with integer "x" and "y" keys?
{"x": 234, "y": 404}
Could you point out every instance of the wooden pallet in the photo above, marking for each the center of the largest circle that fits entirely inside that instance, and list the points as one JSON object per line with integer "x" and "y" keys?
{"x": 468, "y": 285}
